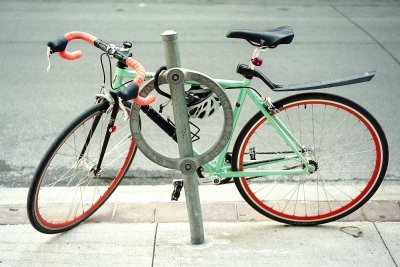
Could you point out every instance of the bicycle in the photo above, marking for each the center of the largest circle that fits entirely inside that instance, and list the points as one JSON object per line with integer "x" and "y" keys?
{"x": 306, "y": 159}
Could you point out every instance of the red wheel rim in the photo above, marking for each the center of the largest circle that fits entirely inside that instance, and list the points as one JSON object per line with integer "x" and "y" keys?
{"x": 332, "y": 213}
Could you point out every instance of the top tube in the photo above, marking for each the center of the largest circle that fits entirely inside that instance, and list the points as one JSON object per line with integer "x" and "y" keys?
{"x": 225, "y": 84}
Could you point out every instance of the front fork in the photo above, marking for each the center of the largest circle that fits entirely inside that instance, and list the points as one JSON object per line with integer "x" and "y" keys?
{"x": 110, "y": 129}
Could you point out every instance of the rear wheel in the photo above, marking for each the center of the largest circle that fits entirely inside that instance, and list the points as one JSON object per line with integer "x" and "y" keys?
{"x": 342, "y": 140}
{"x": 68, "y": 186}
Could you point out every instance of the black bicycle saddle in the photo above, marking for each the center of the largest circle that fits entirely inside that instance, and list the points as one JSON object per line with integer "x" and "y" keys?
{"x": 270, "y": 38}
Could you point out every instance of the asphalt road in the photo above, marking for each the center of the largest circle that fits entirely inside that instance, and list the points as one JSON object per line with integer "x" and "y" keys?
{"x": 332, "y": 39}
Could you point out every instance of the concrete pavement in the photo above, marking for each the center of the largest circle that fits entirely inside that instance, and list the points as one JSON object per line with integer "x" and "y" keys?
{"x": 227, "y": 244}
{"x": 139, "y": 226}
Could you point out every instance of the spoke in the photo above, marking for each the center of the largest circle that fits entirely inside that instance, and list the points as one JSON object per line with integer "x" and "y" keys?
{"x": 288, "y": 201}
{"x": 298, "y": 110}
{"x": 119, "y": 157}
{"x": 82, "y": 191}
{"x": 359, "y": 191}
{"x": 65, "y": 154}
{"x": 74, "y": 149}
{"x": 294, "y": 188}
{"x": 295, "y": 206}
{"x": 323, "y": 187}
{"x": 255, "y": 192}
{"x": 344, "y": 193}
{"x": 318, "y": 177}
{"x": 334, "y": 199}
{"x": 313, "y": 128}
{"x": 353, "y": 142}
{"x": 330, "y": 121}
{"x": 70, "y": 181}
{"x": 80, "y": 203}
{"x": 346, "y": 171}
{"x": 61, "y": 178}
{"x": 83, "y": 179}
{"x": 337, "y": 127}
{"x": 73, "y": 134}
{"x": 348, "y": 164}
{"x": 341, "y": 123}
{"x": 366, "y": 162}
{"x": 118, "y": 145}
{"x": 347, "y": 154}
{"x": 270, "y": 191}
{"x": 321, "y": 136}
{"x": 347, "y": 144}
{"x": 304, "y": 195}
{"x": 290, "y": 124}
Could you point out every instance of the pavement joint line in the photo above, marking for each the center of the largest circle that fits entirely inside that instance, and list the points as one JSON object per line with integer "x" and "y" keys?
{"x": 367, "y": 33}
{"x": 384, "y": 243}
{"x": 114, "y": 211}
{"x": 154, "y": 245}
{"x": 237, "y": 212}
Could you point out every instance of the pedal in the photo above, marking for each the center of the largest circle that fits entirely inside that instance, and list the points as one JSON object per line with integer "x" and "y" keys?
{"x": 178, "y": 184}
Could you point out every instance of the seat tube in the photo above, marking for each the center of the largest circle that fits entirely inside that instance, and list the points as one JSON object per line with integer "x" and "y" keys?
{"x": 236, "y": 113}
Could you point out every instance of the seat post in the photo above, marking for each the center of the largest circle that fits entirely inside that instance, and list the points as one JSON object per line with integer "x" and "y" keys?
{"x": 256, "y": 61}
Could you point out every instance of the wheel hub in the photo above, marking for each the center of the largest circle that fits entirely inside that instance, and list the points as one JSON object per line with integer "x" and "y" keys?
{"x": 314, "y": 164}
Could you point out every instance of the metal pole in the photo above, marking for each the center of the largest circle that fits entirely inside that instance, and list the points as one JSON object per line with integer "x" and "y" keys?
{"x": 190, "y": 179}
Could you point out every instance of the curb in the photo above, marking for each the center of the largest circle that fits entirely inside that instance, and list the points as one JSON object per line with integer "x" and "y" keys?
{"x": 153, "y": 212}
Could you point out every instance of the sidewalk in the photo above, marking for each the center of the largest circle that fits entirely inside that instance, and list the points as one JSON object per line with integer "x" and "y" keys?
{"x": 131, "y": 230}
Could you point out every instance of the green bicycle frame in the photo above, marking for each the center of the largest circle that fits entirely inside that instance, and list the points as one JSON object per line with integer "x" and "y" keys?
{"x": 217, "y": 166}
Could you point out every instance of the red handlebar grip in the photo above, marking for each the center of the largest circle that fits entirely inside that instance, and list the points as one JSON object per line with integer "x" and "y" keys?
{"x": 70, "y": 55}
{"x": 80, "y": 35}
{"x": 144, "y": 101}
{"x": 76, "y": 35}
{"x": 139, "y": 79}
{"x": 140, "y": 72}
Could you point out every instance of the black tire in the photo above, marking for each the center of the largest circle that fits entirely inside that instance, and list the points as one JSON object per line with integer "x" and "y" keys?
{"x": 47, "y": 206}
{"x": 313, "y": 199}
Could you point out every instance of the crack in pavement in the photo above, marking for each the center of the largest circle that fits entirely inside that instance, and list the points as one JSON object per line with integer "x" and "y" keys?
{"x": 367, "y": 33}
{"x": 383, "y": 241}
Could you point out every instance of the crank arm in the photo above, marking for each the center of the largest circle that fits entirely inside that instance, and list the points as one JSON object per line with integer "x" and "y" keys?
{"x": 212, "y": 180}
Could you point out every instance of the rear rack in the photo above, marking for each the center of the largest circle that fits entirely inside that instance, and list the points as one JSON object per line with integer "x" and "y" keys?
{"x": 359, "y": 78}
{"x": 247, "y": 72}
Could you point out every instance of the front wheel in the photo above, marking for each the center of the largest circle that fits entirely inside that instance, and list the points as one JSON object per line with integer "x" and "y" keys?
{"x": 71, "y": 183}
{"x": 344, "y": 143}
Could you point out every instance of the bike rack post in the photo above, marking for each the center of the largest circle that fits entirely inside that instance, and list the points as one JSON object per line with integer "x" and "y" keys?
{"x": 175, "y": 77}
{"x": 190, "y": 179}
